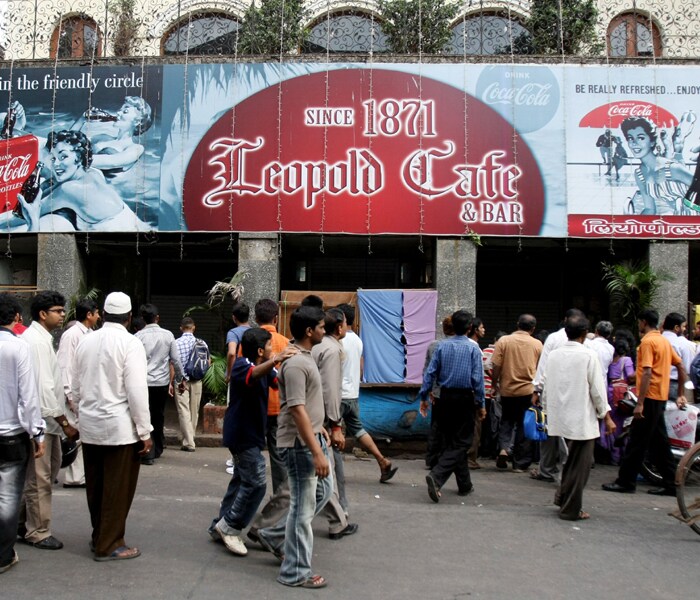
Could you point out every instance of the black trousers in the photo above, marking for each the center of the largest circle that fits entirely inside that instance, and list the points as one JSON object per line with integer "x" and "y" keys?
{"x": 455, "y": 427}
{"x": 577, "y": 468}
{"x": 649, "y": 434}
{"x": 157, "y": 396}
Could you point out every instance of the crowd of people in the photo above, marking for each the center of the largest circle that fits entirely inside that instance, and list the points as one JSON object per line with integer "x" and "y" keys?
{"x": 299, "y": 399}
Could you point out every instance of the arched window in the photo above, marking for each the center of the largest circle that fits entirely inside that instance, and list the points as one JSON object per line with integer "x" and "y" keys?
{"x": 346, "y": 32}
{"x": 202, "y": 33}
{"x": 633, "y": 34}
{"x": 76, "y": 37}
{"x": 488, "y": 34}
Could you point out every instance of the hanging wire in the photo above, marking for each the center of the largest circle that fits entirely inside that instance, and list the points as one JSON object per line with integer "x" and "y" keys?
{"x": 514, "y": 134}
{"x": 279, "y": 122}
{"x": 8, "y": 251}
{"x": 138, "y": 140}
{"x": 420, "y": 134}
{"x": 325, "y": 126}
{"x": 368, "y": 220}
{"x": 233, "y": 137}
{"x": 184, "y": 135}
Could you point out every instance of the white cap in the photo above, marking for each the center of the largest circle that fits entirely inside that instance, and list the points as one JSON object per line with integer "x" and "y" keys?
{"x": 117, "y": 303}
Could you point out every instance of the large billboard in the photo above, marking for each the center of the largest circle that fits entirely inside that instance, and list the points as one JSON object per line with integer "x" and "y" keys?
{"x": 433, "y": 149}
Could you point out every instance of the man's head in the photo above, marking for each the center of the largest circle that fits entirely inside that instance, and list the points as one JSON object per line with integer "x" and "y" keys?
{"x": 87, "y": 312}
{"x": 266, "y": 311}
{"x": 675, "y": 322}
{"x": 9, "y": 308}
{"x": 447, "y": 328}
{"x": 335, "y": 323}
{"x": 604, "y": 329}
{"x": 647, "y": 320}
{"x": 256, "y": 344}
{"x": 307, "y": 325}
{"x": 117, "y": 308}
{"x": 149, "y": 313}
{"x": 461, "y": 319}
{"x": 576, "y": 328}
{"x": 477, "y": 329}
{"x": 48, "y": 309}
{"x": 527, "y": 323}
{"x": 349, "y": 312}
{"x": 187, "y": 325}
{"x": 240, "y": 313}
{"x": 313, "y": 300}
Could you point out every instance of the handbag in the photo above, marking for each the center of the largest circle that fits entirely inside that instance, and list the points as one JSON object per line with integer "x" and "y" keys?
{"x": 535, "y": 424}
{"x": 619, "y": 390}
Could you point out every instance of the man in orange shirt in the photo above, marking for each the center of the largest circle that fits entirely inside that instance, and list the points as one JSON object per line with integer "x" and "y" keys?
{"x": 648, "y": 432}
{"x": 266, "y": 312}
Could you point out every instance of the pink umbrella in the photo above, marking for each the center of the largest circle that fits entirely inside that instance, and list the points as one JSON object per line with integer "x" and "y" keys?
{"x": 612, "y": 114}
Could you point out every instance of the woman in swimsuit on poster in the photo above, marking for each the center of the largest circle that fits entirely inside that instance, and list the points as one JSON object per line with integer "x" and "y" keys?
{"x": 76, "y": 196}
{"x": 663, "y": 183}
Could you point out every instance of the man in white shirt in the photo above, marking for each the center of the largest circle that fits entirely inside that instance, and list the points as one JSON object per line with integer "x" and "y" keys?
{"x": 674, "y": 327}
{"x": 20, "y": 422}
{"x": 575, "y": 397}
{"x": 601, "y": 344}
{"x": 47, "y": 310}
{"x": 110, "y": 393}
{"x": 87, "y": 315}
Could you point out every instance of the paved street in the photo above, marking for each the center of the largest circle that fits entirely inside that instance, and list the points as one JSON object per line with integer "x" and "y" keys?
{"x": 503, "y": 541}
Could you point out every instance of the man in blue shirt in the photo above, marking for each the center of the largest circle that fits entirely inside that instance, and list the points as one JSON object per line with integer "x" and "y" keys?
{"x": 456, "y": 367}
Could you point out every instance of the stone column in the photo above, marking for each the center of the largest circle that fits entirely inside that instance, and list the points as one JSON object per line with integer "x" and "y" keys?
{"x": 671, "y": 259}
{"x": 59, "y": 266}
{"x": 257, "y": 256}
{"x": 455, "y": 277}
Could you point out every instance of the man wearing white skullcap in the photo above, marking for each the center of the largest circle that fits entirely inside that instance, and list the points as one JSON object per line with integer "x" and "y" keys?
{"x": 110, "y": 392}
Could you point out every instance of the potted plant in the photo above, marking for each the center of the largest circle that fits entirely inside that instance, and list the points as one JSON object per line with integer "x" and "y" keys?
{"x": 215, "y": 388}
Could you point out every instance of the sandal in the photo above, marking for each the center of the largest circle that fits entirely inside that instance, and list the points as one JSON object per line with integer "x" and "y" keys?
{"x": 311, "y": 583}
{"x": 121, "y": 553}
{"x": 582, "y": 516}
{"x": 387, "y": 472}
{"x": 433, "y": 489}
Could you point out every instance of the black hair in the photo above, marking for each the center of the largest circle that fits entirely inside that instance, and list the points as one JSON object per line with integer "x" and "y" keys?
{"x": 576, "y": 326}
{"x": 83, "y": 307}
{"x": 45, "y": 300}
{"x": 526, "y": 322}
{"x": 120, "y": 318}
{"x": 303, "y": 318}
{"x": 77, "y": 140}
{"x": 474, "y": 325}
{"x": 253, "y": 339}
{"x": 265, "y": 311}
{"x": 313, "y": 300}
{"x": 634, "y": 122}
{"x": 9, "y": 308}
{"x": 137, "y": 323}
{"x": 499, "y": 335}
{"x": 334, "y": 317}
{"x": 542, "y": 335}
{"x": 241, "y": 311}
{"x": 622, "y": 348}
{"x": 650, "y": 316}
{"x": 149, "y": 312}
{"x": 460, "y": 321}
{"x": 349, "y": 311}
{"x": 187, "y": 323}
{"x": 672, "y": 320}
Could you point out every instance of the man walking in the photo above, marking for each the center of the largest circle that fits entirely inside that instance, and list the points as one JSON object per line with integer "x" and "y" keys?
{"x": 47, "y": 309}
{"x": 514, "y": 365}
{"x": 302, "y": 434}
{"x": 188, "y": 393}
{"x": 575, "y": 397}
{"x": 160, "y": 354}
{"x": 457, "y": 368}
{"x": 655, "y": 357}
{"x": 110, "y": 392}
{"x": 87, "y": 315}
{"x": 21, "y": 427}
{"x": 240, "y": 313}
{"x": 673, "y": 330}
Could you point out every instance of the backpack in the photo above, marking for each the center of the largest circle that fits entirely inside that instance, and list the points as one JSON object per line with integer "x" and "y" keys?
{"x": 198, "y": 361}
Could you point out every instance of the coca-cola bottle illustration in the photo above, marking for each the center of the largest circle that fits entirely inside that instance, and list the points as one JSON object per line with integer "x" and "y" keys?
{"x": 98, "y": 114}
{"x": 8, "y": 125}
{"x": 30, "y": 188}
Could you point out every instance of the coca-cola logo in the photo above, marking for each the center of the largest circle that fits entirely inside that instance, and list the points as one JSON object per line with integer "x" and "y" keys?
{"x": 528, "y": 96}
{"x": 18, "y": 157}
{"x": 631, "y": 110}
{"x": 15, "y": 167}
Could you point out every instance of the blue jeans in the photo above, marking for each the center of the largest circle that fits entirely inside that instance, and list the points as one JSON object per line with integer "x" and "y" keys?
{"x": 12, "y": 476}
{"x": 308, "y": 495}
{"x": 246, "y": 490}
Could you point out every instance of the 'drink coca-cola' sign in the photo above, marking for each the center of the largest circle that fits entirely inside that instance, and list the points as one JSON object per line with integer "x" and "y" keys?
{"x": 18, "y": 157}
{"x": 354, "y": 151}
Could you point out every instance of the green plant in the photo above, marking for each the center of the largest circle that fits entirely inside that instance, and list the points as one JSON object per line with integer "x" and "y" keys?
{"x": 412, "y": 26}
{"x": 633, "y": 286}
{"x": 220, "y": 291}
{"x": 82, "y": 293}
{"x": 126, "y": 27}
{"x": 214, "y": 381}
{"x": 272, "y": 28}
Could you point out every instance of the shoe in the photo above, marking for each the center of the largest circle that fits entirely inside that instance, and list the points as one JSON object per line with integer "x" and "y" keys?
{"x": 229, "y": 470}
{"x": 187, "y": 448}
{"x": 535, "y": 474}
{"x": 73, "y": 485}
{"x": 620, "y": 489}
{"x": 253, "y": 536}
{"x": 229, "y": 462}
{"x": 13, "y": 561}
{"x": 214, "y": 534}
{"x": 233, "y": 542}
{"x": 147, "y": 461}
{"x": 433, "y": 489}
{"x": 519, "y": 470}
{"x": 49, "y": 543}
{"x": 349, "y": 530}
{"x": 466, "y": 492}
{"x": 502, "y": 461}
{"x": 387, "y": 472}
{"x": 121, "y": 553}
{"x": 662, "y": 491}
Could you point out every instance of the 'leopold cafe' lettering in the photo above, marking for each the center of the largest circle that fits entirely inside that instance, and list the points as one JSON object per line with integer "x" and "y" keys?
{"x": 363, "y": 173}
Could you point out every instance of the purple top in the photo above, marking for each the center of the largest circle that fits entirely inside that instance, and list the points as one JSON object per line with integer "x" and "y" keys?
{"x": 622, "y": 369}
